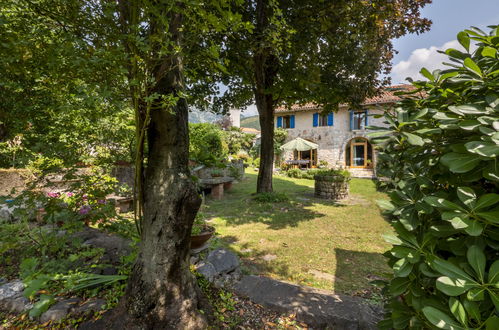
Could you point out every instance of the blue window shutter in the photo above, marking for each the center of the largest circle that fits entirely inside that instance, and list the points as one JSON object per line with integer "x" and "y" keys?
{"x": 330, "y": 119}
{"x": 292, "y": 121}
{"x": 316, "y": 120}
{"x": 279, "y": 122}
{"x": 367, "y": 118}
{"x": 351, "y": 120}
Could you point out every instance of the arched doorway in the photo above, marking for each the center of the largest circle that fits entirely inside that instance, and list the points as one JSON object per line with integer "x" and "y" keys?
{"x": 359, "y": 153}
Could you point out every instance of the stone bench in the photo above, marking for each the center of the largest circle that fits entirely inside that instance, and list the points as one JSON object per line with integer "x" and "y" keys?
{"x": 217, "y": 185}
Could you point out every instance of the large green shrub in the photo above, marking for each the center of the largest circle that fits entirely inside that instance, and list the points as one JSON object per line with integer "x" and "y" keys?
{"x": 440, "y": 156}
{"x": 207, "y": 145}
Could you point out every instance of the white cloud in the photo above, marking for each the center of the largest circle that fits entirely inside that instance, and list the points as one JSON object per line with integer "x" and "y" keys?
{"x": 428, "y": 58}
{"x": 250, "y": 111}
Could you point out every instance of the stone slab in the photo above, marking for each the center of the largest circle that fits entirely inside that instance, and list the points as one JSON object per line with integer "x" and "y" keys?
{"x": 223, "y": 260}
{"x": 318, "y": 308}
{"x": 59, "y": 310}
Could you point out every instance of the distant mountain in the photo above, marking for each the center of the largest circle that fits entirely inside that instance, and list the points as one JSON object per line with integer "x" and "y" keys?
{"x": 251, "y": 122}
{"x": 198, "y": 116}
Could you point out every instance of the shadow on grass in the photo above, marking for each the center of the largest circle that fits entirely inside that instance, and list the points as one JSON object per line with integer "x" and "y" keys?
{"x": 239, "y": 207}
{"x": 355, "y": 270}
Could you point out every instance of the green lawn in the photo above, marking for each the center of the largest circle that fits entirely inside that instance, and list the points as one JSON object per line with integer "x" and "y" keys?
{"x": 306, "y": 240}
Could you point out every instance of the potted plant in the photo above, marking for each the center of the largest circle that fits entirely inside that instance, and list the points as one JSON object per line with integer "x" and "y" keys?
{"x": 217, "y": 173}
{"x": 201, "y": 232}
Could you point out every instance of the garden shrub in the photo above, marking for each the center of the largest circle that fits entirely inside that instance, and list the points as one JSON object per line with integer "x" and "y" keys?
{"x": 440, "y": 156}
{"x": 207, "y": 145}
{"x": 309, "y": 174}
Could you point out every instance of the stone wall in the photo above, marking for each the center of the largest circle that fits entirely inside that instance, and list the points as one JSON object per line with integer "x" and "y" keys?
{"x": 14, "y": 180}
{"x": 332, "y": 140}
{"x": 331, "y": 187}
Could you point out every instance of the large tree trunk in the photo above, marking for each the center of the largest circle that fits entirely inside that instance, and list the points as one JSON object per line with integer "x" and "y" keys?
{"x": 265, "y": 68}
{"x": 162, "y": 293}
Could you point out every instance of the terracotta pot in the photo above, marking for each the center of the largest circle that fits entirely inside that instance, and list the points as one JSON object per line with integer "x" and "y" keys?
{"x": 198, "y": 240}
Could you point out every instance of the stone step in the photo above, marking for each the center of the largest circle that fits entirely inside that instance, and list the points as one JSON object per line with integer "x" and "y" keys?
{"x": 318, "y": 308}
{"x": 361, "y": 173}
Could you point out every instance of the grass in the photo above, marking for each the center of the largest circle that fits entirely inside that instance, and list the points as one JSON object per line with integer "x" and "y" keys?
{"x": 305, "y": 240}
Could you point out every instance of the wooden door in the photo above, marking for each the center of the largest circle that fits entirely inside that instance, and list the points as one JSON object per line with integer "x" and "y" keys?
{"x": 358, "y": 154}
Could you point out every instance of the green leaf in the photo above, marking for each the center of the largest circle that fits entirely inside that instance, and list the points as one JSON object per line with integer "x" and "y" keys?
{"x": 394, "y": 240}
{"x": 464, "y": 40}
{"x": 492, "y": 323}
{"x": 399, "y": 285}
{"x": 457, "y": 309}
{"x": 460, "y": 163}
{"x": 474, "y": 228}
{"x": 470, "y": 64}
{"x": 495, "y": 298}
{"x": 486, "y": 201}
{"x": 477, "y": 260}
{"x": 493, "y": 277}
{"x": 485, "y": 149}
{"x": 441, "y": 203}
{"x": 491, "y": 171}
{"x": 427, "y": 74}
{"x": 469, "y": 125}
{"x": 402, "y": 268}
{"x": 386, "y": 205}
{"x": 472, "y": 309}
{"x": 453, "y": 287}
{"x": 468, "y": 109}
{"x": 414, "y": 139}
{"x": 41, "y": 305}
{"x": 492, "y": 216}
{"x": 467, "y": 196}
{"x": 475, "y": 294}
{"x": 489, "y": 52}
{"x": 449, "y": 269}
{"x": 440, "y": 319}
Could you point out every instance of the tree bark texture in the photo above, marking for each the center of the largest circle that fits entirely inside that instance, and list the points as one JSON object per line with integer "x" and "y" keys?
{"x": 265, "y": 68}
{"x": 162, "y": 292}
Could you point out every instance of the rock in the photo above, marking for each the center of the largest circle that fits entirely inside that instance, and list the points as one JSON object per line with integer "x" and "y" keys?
{"x": 194, "y": 259}
{"x": 200, "y": 249}
{"x": 94, "y": 305}
{"x": 318, "y": 308}
{"x": 11, "y": 289}
{"x": 114, "y": 246}
{"x": 17, "y": 304}
{"x": 59, "y": 310}
{"x": 207, "y": 270}
{"x": 11, "y": 297}
{"x": 223, "y": 260}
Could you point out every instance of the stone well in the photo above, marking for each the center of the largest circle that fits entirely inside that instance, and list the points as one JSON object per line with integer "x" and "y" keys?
{"x": 331, "y": 186}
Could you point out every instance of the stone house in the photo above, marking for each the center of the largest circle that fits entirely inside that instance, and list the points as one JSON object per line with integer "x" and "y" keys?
{"x": 341, "y": 136}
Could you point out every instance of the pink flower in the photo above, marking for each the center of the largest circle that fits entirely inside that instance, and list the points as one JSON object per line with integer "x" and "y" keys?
{"x": 84, "y": 197}
{"x": 84, "y": 209}
{"x": 69, "y": 194}
{"x": 101, "y": 201}
{"x": 53, "y": 194}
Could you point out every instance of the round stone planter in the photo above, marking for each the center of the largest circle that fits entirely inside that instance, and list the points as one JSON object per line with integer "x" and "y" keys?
{"x": 331, "y": 186}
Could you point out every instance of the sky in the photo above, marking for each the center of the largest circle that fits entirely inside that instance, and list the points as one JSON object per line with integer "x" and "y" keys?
{"x": 417, "y": 51}
{"x": 449, "y": 17}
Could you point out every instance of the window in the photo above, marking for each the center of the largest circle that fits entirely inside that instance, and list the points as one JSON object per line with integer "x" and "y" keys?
{"x": 323, "y": 120}
{"x": 358, "y": 120}
{"x": 286, "y": 121}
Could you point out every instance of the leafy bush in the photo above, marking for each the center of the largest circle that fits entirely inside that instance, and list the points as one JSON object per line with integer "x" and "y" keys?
{"x": 440, "y": 156}
{"x": 309, "y": 174}
{"x": 207, "y": 145}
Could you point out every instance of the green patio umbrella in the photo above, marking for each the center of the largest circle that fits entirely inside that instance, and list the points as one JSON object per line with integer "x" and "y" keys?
{"x": 299, "y": 144}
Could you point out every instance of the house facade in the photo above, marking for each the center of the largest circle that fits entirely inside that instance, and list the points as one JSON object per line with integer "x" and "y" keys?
{"x": 342, "y": 136}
